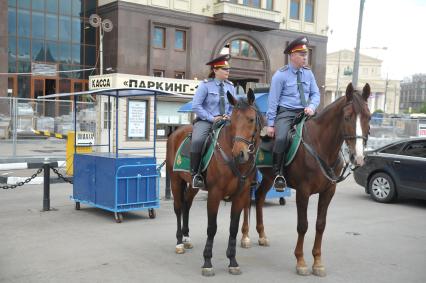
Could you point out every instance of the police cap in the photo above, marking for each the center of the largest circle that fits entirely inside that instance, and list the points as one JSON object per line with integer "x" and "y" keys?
{"x": 297, "y": 45}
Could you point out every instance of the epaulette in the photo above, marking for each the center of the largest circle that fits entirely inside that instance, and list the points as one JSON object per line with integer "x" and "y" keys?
{"x": 229, "y": 82}
{"x": 284, "y": 68}
{"x": 306, "y": 67}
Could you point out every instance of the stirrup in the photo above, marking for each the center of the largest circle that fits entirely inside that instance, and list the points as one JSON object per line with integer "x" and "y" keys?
{"x": 280, "y": 183}
{"x": 198, "y": 182}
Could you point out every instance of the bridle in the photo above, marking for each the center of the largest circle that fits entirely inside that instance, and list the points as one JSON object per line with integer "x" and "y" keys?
{"x": 252, "y": 150}
{"x": 354, "y": 137}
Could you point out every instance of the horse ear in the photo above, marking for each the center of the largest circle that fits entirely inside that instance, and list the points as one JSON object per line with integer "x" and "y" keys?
{"x": 231, "y": 98}
{"x": 366, "y": 91}
{"x": 349, "y": 92}
{"x": 250, "y": 96}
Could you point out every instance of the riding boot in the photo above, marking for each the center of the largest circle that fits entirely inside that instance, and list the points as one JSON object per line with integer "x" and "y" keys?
{"x": 196, "y": 177}
{"x": 279, "y": 182}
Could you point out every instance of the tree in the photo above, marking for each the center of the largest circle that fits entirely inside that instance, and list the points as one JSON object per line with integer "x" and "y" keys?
{"x": 423, "y": 108}
{"x": 378, "y": 111}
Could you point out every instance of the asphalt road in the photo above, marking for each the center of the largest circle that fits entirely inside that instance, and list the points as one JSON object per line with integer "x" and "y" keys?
{"x": 364, "y": 241}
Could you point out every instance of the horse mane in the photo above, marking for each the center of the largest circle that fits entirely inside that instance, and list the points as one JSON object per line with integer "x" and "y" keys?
{"x": 359, "y": 104}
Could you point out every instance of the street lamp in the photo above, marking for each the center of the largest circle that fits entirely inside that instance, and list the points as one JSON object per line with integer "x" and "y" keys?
{"x": 104, "y": 26}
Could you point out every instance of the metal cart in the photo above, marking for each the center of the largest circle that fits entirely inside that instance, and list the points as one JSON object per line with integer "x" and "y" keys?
{"x": 115, "y": 181}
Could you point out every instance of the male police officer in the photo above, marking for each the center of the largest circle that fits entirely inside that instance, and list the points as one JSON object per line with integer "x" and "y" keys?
{"x": 293, "y": 90}
{"x": 211, "y": 105}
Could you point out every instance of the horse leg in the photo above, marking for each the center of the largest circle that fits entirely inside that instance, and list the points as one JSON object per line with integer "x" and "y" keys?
{"x": 323, "y": 203}
{"x": 302, "y": 200}
{"x": 212, "y": 209}
{"x": 261, "y": 192}
{"x": 187, "y": 203}
{"x": 245, "y": 239}
{"x": 178, "y": 195}
{"x": 237, "y": 206}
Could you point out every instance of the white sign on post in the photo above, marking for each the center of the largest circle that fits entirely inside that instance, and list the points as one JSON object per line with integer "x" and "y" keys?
{"x": 422, "y": 130}
{"x": 136, "y": 119}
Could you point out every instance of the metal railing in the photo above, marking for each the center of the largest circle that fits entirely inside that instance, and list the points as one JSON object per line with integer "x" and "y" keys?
{"x": 21, "y": 121}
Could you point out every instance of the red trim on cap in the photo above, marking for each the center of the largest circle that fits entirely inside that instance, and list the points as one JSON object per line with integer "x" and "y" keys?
{"x": 301, "y": 47}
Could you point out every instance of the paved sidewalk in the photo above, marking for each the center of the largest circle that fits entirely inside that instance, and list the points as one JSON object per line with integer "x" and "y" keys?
{"x": 364, "y": 241}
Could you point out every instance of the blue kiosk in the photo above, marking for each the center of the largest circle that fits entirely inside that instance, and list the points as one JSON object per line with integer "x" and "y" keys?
{"x": 262, "y": 103}
{"x": 116, "y": 181}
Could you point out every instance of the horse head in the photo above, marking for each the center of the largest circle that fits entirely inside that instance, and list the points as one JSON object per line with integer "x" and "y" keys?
{"x": 356, "y": 124}
{"x": 246, "y": 123}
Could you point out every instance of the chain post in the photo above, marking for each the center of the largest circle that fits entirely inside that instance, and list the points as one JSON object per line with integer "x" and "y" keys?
{"x": 46, "y": 186}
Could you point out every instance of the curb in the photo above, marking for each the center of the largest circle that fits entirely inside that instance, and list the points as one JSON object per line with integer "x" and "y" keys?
{"x": 12, "y": 180}
{"x": 29, "y": 165}
{"x": 35, "y": 181}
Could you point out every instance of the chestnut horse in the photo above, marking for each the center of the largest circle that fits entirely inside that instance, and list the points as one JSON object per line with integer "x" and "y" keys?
{"x": 315, "y": 168}
{"x": 228, "y": 177}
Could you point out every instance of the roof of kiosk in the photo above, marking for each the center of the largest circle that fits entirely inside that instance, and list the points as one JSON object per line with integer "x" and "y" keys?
{"x": 115, "y": 92}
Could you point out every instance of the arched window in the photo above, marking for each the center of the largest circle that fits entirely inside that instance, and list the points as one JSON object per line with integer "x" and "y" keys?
{"x": 241, "y": 48}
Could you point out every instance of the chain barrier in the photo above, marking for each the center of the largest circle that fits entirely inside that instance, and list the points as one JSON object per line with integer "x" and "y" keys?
{"x": 61, "y": 176}
{"x": 24, "y": 182}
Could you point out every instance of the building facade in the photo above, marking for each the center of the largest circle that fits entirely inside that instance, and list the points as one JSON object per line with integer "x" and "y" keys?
{"x": 385, "y": 93}
{"x": 45, "y": 46}
{"x": 413, "y": 94}
{"x": 174, "y": 39}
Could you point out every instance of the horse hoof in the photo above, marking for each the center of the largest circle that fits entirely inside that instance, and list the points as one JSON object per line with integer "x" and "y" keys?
{"x": 187, "y": 242}
{"x": 188, "y": 245}
{"x": 264, "y": 242}
{"x": 234, "y": 270}
{"x": 245, "y": 243}
{"x": 180, "y": 249}
{"x": 302, "y": 270}
{"x": 207, "y": 271}
{"x": 319, "y": 271}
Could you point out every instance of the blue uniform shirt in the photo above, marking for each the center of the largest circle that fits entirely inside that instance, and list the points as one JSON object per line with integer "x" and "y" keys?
{"x": 206, "y": 99}
{"x": 284, "y": 91}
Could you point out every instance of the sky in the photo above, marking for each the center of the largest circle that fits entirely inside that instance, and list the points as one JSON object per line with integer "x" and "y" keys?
{"x": 398, "y": 25}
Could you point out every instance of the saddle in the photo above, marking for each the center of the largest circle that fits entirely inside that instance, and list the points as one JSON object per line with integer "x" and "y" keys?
{"x": 182, "y": 159}
{"x": 264, "y": 154}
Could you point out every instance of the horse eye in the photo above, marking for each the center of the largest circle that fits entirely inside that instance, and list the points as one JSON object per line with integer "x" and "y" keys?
{"x": 347, "y": 118}
{"x": 251, "y": 120}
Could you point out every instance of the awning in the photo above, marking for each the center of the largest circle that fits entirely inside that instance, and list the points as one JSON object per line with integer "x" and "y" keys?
{"x": 261, "y": 102}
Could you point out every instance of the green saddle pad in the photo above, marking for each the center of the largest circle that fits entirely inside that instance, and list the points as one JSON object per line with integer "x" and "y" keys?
{"x": 182, "y": 161}
{"x": 264, "y": 158}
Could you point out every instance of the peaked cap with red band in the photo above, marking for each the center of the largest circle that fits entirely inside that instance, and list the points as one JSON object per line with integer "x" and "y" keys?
{"x": 220, "y": 62}
{"x": 297, "y": 45}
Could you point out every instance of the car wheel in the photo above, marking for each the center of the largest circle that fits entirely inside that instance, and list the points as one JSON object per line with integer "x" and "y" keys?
{"x": 382, "y": 188}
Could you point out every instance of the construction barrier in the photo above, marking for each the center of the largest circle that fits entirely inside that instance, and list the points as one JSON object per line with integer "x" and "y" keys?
{"x": 50, "y": 134}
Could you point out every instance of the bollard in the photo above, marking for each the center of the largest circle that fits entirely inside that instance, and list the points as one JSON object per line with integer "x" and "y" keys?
{"x": 46, "y": 186}
{"x": 168, "y": 196}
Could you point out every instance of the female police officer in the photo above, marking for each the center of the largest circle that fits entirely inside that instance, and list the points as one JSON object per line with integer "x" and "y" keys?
{"x": 210, "y": 105}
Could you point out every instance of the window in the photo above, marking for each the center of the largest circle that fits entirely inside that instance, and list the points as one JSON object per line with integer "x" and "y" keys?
{"x": 269, "y": 4}
{"x": 294, "y": 9}
{"x": 180, "y": 40}
{"x": 394, "y": 149}
{"x": 159, "y": 73}
{"x": 180, "y": 75}
{"x": 159, "y": 37}
{"x": 107, "y": 117}
{"x": 252, "y": 3}
{"x": 416, "y": 149}
{"x": 241, "y": 48}
{"x": 309, "y": 11}
{"x": 12, "y": 21}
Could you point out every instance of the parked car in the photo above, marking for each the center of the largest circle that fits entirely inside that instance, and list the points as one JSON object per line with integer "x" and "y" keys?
{"x": 395, "y": 170}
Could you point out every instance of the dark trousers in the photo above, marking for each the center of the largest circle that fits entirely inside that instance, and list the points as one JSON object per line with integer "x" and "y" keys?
{"x": 200, "y": 131}
{"x": 282, "y": 125}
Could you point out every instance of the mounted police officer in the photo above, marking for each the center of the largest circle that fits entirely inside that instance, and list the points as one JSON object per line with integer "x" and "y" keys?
{"x": 293, "y": 90}
{"x": 210, "y": 105}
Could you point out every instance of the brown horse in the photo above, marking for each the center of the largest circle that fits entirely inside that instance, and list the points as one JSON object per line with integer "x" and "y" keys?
{"x": 315, "y": 169}
{"x": 228, "y": 177}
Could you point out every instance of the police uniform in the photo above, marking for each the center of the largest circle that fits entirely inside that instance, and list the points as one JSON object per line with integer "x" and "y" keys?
{"x": 209, "y": 101}
{"x": 291, "y": 91}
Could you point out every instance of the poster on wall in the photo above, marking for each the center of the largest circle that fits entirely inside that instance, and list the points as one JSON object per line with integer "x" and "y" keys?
{"x": 136, "y": 119}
